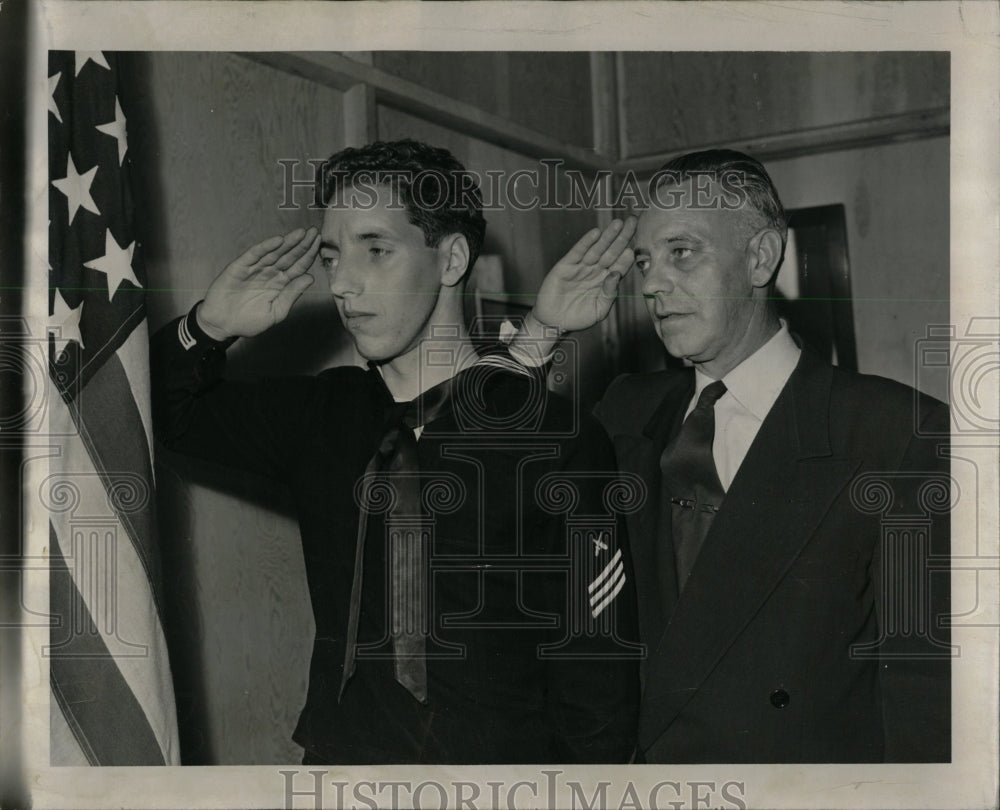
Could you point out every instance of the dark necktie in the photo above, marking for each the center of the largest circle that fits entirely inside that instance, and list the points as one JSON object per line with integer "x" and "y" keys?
{"x": 397, "y": 458}
{"x": 691, "y": 480}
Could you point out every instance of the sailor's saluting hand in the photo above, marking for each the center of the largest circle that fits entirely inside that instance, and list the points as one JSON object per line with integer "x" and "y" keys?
{"x": 257, "y": 290}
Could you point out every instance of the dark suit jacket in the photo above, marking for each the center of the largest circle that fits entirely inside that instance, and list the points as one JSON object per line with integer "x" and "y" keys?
{"x": 807, "y": 631}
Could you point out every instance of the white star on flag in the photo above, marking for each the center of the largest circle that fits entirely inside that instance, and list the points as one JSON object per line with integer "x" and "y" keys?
{"x": 82, "y": 57}
{"x": 116, "y": 129}
{"x": 53, "y": 107}
{"x": 116, "y": 264}
{"x": 76, "y": 187}
{"x": 66, "y": 322}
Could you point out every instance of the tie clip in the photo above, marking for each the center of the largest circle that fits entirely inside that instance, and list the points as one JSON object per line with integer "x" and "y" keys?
{"x": 689, "y": 503}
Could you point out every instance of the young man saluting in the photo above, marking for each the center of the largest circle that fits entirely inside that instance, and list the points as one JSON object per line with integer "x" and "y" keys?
{"x": 465, "y": 611}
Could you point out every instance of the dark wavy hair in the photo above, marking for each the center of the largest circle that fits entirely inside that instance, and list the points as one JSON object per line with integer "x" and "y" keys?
{"x": 439, "y": 195}
{"x": 738, "y": 171}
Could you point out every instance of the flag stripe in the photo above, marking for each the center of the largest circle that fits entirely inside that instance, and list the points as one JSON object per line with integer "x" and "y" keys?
{"x": 133, "y": 355}
{"x": 88, "y": 685}
{"x": 114, "y": 341}
{"x": 120, "y": 452}
{"x": 113, "y": 583}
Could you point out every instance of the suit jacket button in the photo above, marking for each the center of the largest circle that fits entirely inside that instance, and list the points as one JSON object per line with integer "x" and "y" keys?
{"x": 779, "y": 698}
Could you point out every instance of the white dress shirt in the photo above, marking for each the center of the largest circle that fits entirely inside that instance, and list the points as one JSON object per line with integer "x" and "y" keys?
{"x": 751, "y": 389}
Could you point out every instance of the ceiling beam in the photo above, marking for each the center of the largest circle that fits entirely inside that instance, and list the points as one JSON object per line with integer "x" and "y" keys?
{"x": 931, "y": 123}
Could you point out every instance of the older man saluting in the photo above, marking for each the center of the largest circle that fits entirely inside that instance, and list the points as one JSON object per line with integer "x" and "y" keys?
{"x": 786, "y": 620}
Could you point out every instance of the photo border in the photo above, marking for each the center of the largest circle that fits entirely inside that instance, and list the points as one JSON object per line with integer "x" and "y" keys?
{"x": 968, "y": 31}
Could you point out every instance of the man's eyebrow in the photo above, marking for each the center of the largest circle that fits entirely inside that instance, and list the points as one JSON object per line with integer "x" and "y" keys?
{"x": 368, "y": 236}
{"x": 686, "y": 236}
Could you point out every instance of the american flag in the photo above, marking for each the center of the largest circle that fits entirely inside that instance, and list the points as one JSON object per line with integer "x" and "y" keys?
{"x": 112, "y": 695}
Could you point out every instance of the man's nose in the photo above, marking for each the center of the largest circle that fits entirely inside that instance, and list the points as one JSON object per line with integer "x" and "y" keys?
{"x": 657, "y": 281}
{"x": 345, "y": 279}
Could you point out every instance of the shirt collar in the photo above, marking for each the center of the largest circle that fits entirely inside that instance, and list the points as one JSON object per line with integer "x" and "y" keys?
{"x": 756, "y": 382}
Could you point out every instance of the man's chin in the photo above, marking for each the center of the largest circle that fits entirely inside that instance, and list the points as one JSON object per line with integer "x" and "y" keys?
{"x": 675, "y": 348}
{"x": 383, "y": 351}
{"x": 378, "y": 358}
{"x": 684, "y": 352}
{"x": 373, "y": 352}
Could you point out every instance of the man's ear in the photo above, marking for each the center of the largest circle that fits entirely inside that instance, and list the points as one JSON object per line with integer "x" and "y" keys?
{"x": 763, "y": 256}
{"x": 454, "y": 254}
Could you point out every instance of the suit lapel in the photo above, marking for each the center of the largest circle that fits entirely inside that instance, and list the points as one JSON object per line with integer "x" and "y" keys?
{"x": 785, "y": 485}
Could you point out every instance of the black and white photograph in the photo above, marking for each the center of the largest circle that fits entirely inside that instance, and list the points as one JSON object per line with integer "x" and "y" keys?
{"x": 555, "y": 405}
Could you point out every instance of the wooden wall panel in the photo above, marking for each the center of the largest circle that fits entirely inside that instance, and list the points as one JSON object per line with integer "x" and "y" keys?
{"x": 678, "y": 100}
{"x": 548, "y": 92}
{"x": 206, "y": 133}
{"x": 478, "y": 78}
{"x": 898, "y": 214}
